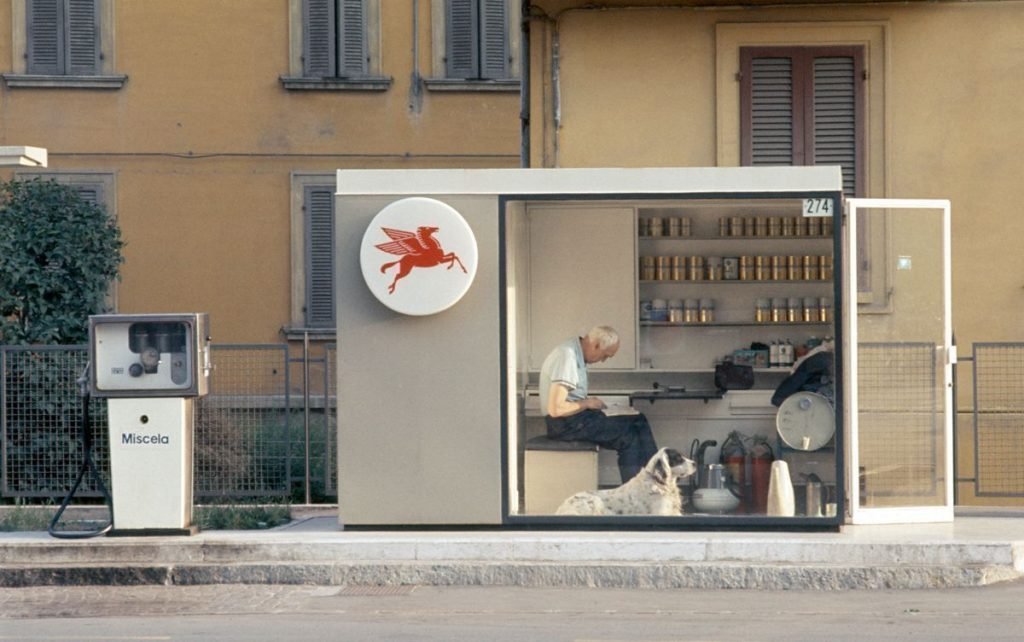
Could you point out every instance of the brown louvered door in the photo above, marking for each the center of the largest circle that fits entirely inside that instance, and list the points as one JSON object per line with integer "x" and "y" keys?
{"x": 804, "y": 106}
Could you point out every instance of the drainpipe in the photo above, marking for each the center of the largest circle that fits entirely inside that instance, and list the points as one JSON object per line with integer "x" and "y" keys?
{"x": 556, "y": 94}
{"x": 415, "y": 80}
{"x": 524, "y": 85}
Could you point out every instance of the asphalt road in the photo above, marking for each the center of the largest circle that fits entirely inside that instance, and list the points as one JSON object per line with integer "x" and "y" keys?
{"x": 384, "y": 614}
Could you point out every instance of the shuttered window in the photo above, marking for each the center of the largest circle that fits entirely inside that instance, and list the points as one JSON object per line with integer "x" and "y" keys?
{"x": 476, "y": 39}
{"x": 90, "y": 194}
{"x": 63, "y": 37}
{"x": 318, "y": 209}
{"x": 804, "y": 106}
{"x": 334, "y": 39}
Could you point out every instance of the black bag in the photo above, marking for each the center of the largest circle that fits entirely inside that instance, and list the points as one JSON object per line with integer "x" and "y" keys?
{"x": 731, "y": 376}
{"x": 812, "y": 375}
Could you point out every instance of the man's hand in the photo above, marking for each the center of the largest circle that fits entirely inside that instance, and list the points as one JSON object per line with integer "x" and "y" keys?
{"x": 560, "y": 406}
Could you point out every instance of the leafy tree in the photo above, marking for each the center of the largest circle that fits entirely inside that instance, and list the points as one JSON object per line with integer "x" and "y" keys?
{"x": 58, "y": 256}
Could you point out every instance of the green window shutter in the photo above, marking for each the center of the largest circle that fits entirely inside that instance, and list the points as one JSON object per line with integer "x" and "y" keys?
{"x": 319, "y": 215}
{"x": 352, "y": 53}
{"x": 318, "y": 38}
{"x": 83, "y": 37}
{"x": 494, "y": 39}
{"x": 461, "y": 38}
{"x": 44, "y": 37}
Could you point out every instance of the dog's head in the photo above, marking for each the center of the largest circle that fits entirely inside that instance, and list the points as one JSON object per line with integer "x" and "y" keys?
{"x": 668, "y": 465}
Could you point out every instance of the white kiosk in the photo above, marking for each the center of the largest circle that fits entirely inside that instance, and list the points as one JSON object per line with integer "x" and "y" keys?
{"x": 441, "y": 401}
{"x": 151, "y": 367}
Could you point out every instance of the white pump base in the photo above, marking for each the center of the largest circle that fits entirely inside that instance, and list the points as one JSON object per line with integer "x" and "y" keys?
{"x": 151, "y": 465}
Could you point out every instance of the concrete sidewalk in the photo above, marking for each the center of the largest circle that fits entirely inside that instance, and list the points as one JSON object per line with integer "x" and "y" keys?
{"x": 978, "y": 548}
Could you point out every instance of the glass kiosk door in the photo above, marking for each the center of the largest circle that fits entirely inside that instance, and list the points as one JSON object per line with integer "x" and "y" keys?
{"x": 900, "y": 361}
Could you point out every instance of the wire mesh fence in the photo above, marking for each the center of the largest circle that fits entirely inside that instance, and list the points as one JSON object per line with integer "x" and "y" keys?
{"x": 41, "y": 422}
{"x": 998, "y": 419}
{"x": 250, "y": 431}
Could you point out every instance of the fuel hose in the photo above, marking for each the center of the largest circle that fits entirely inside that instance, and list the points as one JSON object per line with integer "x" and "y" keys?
{"x": 89, "y": 468}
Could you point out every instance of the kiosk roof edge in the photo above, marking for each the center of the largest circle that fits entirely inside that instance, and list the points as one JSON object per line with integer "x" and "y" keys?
{"x": 358, "y": 182}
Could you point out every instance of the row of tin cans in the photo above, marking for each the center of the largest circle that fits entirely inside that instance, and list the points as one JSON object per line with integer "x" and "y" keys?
{"x": 774, "y": 226}
{"x": 678, "y": 310}
{"x": 793, "y": 310}
{"x": 655, "y": 226}
{"x": 808, "y": 267}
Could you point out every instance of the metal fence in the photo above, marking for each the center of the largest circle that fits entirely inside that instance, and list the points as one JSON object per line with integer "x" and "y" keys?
{"x": 268, "y": 427}
{"x": 998, "y": 419}
{"x": 266, "y": 430}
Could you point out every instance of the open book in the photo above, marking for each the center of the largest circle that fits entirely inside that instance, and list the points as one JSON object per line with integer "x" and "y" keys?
{"x": 619, "y": 409}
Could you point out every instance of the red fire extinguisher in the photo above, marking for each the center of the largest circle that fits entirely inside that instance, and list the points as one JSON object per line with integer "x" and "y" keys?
{"x": 734, "y": 457}
{"x": 761, "y": 457}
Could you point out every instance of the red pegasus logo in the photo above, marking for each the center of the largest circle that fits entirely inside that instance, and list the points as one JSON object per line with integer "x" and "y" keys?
{"x": 417, "y": 249}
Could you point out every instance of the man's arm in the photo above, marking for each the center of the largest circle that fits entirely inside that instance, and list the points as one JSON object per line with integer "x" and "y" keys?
{"x": 559, "y": 404}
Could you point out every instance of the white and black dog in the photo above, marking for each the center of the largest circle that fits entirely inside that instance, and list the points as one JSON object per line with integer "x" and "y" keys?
{"x": 653, "y": 491}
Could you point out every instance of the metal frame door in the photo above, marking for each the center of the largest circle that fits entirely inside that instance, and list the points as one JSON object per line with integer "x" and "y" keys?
{"x": 927, "y": 434}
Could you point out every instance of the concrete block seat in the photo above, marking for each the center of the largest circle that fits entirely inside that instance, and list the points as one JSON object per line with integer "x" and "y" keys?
{"x": 555, "y": 470}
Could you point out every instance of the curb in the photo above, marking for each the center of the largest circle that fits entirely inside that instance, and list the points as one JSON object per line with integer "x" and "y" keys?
{"x": 517, "y": 574}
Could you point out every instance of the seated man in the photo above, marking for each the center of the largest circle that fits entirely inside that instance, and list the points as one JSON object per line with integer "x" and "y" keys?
{"x": 572, "y": 415}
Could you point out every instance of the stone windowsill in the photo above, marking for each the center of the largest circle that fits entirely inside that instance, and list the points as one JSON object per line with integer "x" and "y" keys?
{"x": 371, "y": 83}
{"x": 40, "y": 81}
{"x": 448, "y": 84}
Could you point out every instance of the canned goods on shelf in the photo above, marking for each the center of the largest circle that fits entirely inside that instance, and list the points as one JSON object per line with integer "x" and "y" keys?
{"x": 814, "y": 226}
{"x": 695, "y": 272}
{"x": 714, "y": 269}
{"x": 763, "y": 310}
{"x": 736, "y": 226}
{"x": 656, "y": 226}
{"x": 707, "y": 310}
{"x": 787, "y": 226}
{"x": 810, "y": 268}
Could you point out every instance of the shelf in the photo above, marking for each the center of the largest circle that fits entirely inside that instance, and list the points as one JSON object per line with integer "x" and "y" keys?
{"x": 735, "y": 281}
{"x": 735, "y": 324}
{"x": 735, "y": 238}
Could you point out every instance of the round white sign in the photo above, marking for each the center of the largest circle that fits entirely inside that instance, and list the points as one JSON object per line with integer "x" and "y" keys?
{"x": 418, "y": 256}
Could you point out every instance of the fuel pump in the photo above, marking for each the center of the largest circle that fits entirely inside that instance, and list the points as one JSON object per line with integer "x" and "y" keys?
{"x": 151, "y": 368}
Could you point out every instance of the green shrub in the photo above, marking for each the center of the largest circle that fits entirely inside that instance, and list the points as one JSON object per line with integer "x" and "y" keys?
{"x": 59, "y": 254}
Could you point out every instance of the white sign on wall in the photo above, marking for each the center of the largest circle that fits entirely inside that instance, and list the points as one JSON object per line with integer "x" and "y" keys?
{"x": 418, "y": 256}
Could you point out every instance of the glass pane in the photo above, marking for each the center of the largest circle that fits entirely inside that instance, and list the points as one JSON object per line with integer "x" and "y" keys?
{"x": 901, "y": 378}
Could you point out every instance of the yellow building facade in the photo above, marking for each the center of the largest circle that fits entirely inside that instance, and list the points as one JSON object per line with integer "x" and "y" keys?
{"x": 938, "y": 101}
{"x": 210, "y": 129}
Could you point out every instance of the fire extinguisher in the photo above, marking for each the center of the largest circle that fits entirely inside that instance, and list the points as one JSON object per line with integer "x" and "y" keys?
{"x": 761, "y": 457}
{"x": 734, "y": 456}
